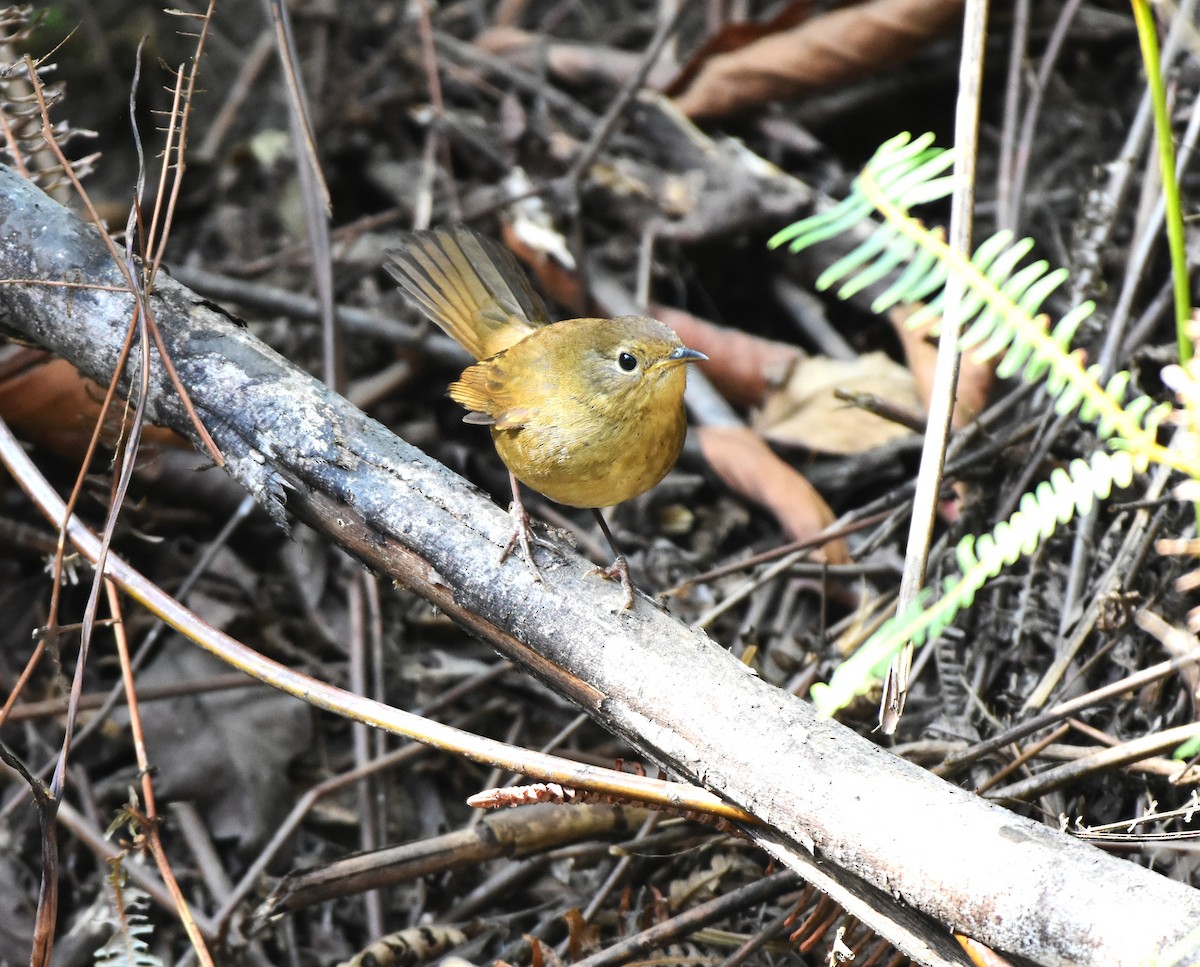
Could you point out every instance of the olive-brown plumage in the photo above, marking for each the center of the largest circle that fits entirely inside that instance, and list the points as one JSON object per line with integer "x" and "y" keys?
{"x": 588, "y": 412}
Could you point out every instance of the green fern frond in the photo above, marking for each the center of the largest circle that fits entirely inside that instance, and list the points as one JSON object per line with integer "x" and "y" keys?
{"x": 1001, "y": 304}
{"x": 1000, "y": 309}
{"x": 1054, "y": 502}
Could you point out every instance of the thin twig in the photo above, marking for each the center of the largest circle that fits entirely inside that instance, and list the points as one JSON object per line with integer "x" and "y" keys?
{"x": 315, "y": 192}
{"x": 941, "y": 402}
{"x": 152, "y": 826}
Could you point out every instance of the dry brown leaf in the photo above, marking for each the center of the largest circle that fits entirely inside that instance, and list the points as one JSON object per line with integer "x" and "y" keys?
{"x": 48, "y": 403}
{"x": 825, "y": 52}
{"x": 745, "y": 368}
{"x": 808, "y": 412}
{"x": 734, "y": 36}
{"x": 744, "y": 461}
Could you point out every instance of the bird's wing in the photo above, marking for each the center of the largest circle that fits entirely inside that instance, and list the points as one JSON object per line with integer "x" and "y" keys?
{"x": 471, "y": 286}
{"x": 487, "y": 391}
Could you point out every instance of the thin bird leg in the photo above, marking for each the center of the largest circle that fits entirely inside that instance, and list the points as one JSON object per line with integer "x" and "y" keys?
{"x": 522, "y": 532}
{"x": 620, "y": 567}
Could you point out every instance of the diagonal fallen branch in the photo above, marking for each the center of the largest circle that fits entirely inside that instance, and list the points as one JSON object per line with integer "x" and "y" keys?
{"x": 864, "y": 826}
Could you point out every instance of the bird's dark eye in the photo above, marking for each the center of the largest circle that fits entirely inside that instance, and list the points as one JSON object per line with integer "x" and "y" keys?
{"x": 627, "y": 361}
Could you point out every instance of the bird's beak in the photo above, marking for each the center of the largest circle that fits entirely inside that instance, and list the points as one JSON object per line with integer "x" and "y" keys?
{"x": 685, "y": 355}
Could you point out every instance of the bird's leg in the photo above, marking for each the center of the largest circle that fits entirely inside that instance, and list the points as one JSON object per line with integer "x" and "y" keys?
{"x": 619, "y": 567}
{"x": 522, "y": 531}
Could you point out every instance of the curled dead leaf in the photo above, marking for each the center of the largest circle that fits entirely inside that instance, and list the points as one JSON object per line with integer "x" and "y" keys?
{"x": 744, "y": 461}
{"x": 734, "y": 35}
{"x": 824, "y": 52}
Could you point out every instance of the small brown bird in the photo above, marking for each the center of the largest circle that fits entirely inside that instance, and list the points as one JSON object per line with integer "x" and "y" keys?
{"x": 587, "y": 412}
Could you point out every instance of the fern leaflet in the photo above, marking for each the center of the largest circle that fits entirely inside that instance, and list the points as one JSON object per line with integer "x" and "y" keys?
{"x": 1053, "y": 502}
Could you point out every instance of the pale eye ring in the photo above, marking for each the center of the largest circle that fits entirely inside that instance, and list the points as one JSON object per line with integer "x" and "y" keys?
{"x": 627, "y": 361}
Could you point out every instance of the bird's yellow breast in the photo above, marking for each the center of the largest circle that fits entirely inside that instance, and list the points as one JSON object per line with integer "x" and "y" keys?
{"x": 582, "y": 458}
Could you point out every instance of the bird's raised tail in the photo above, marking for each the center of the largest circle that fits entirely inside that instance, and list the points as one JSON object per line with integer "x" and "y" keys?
{"x": 471, "y": 286}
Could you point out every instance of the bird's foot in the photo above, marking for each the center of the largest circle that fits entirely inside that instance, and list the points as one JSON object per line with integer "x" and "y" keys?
{"x": 618, "y": 570}
{"x": 523, "y": 534}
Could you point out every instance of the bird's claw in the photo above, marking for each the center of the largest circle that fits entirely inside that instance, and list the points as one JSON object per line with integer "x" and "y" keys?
{"x": 618, "y": 570}
{"x": 523, "y": 534}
